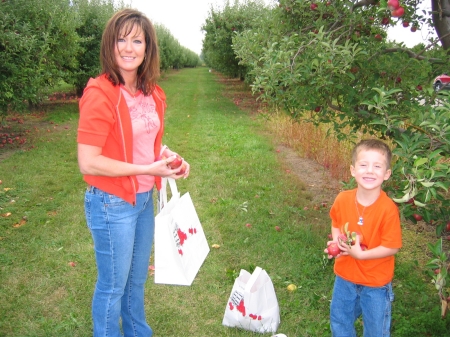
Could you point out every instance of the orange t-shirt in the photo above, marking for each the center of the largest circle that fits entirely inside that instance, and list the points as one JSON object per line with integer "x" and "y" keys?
{"x": 381, "y": 228}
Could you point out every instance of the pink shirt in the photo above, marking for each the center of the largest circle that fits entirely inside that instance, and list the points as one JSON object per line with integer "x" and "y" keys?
{"x": 146, "y": 124}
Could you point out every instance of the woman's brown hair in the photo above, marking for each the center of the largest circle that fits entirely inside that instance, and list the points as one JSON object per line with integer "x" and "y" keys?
{"x": 121, "y": 24}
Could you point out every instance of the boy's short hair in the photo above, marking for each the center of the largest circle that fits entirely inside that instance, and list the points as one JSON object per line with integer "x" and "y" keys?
{"x": 373, "y": 144}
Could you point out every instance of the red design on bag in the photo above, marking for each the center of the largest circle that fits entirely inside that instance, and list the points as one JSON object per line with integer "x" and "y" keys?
{"x": 231, "y": 305}
{"x": 192, "y": 231}
{"x": 180, "y": 251}
{"x": 255, "y": 317}
{"x": 241, "y": 307}
{"x": 182, "y": 235}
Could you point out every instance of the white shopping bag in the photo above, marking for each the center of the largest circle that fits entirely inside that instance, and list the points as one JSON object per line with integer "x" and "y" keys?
{"x": 253, "y": 304}
{"x": 180, "y": 243}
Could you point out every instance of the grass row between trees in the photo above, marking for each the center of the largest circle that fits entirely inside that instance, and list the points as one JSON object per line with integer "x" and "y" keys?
{"x": 47, "y": 267}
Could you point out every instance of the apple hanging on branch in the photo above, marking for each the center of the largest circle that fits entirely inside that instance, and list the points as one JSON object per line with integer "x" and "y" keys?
{"x": 397, "y": 11}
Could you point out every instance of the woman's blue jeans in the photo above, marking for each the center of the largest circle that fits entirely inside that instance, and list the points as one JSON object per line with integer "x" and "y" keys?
{"x": 123, "y": 237}
{"x": 351, "y": 300}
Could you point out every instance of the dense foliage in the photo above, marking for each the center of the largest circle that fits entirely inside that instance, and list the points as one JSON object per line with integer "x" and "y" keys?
{"x": 329, "y": 62}
{"x": 37, "y": 45}
{"x": 172, "y": 54}
{"x": 46, "y": 41}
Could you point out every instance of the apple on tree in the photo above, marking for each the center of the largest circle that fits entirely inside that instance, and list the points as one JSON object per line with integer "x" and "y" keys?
{"x": 393, "y": 4}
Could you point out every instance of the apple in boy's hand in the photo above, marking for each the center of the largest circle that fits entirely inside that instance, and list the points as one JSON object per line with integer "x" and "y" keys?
{"x": 333, "y": 249}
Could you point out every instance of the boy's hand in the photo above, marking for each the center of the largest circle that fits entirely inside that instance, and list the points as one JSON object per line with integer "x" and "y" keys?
{"x": 354, "y": 251}
{"x": 329, "y": 255}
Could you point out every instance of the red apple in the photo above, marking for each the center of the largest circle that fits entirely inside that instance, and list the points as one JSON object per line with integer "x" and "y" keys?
{"x": 447, "y": 227}
{"x": 277, "y": 228}
{"x": 176, "y": 163}
{"x": 419, "y": 87}
{"x": 317, "y": 109}
{"x": 405, "y": 24}
{"x": 393, "y": 4}
{"x": 248, "y": 225}
{"x": 398, "y": 79}
{"x": 343, "y": 238}
{"x": 385, "y": 21}
{"x": 378, "y": 37}
{"x": 333, "y": 249}
{"x": 313, "y": 6}
{"x": 418, "y": 217}
{"x": 397, "y": 13}
{"x": 328, "y": 3}
{"x": 413, "y": 28}
{"x": 437, "y": 271}
{"x": 182, "y": 171}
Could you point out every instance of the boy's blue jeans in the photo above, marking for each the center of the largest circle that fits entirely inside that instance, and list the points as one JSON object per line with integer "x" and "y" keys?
{"x": 351, "y": 300}
{"x": 123, "y": 237}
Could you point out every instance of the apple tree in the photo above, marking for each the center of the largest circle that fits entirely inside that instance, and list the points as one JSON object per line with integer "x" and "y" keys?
{"x": 93, "y": 16}
{"x": 37, "y": 46}
{"x": 171, "y": 53}
{"x": 220, "y": 27}
{"x": 329, "y": 61}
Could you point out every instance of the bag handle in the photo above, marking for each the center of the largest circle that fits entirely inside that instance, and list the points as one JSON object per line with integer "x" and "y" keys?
{"x": 252, "y": 279}
{"x": 162, "y": 197}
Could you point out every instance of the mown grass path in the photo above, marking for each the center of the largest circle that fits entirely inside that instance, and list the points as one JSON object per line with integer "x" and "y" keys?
{"x": 236, "y": 179}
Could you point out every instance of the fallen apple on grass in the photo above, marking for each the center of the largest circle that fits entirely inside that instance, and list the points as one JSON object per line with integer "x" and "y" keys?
{"x": 418, "y": 217}
{"x": 292, "y": 287}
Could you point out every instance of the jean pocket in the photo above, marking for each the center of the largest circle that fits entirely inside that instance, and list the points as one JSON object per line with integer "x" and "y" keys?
{"x": 114, "y": 201}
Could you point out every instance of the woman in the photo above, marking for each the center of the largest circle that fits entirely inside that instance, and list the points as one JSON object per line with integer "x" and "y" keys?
{"x": 119, "y": 137}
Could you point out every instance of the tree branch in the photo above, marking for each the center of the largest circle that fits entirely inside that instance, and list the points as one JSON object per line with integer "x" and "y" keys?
{"x": 363, "y": 3}
{"x": 412, "y": 55}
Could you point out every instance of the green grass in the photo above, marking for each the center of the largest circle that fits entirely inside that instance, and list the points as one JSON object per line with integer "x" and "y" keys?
{"x": 236, "y": 178}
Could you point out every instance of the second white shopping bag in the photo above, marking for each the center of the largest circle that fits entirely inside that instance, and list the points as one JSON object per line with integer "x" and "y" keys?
{"x": 253, "y": 304}
{"x": 180, "y": 242}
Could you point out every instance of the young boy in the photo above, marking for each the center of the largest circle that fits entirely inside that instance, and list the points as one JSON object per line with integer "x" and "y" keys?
{"x": 363, "y": 275}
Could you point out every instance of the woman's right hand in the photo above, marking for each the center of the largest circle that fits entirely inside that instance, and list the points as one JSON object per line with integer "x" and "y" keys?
{"x": 161, "y": 168}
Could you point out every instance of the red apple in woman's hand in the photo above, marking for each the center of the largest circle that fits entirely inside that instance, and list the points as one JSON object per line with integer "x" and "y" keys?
{"x": 182, "y": 171}
{"x": 174, "y": 164}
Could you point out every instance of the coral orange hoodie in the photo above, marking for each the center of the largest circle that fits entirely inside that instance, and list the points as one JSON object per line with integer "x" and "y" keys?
{"x": 105, "y": 122}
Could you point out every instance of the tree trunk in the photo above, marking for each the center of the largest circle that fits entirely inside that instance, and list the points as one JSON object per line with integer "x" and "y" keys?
{"x": 441, "y": 21}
